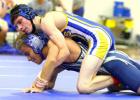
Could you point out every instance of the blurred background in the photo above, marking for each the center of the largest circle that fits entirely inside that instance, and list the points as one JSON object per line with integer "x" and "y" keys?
{"x": 121, "y": 16}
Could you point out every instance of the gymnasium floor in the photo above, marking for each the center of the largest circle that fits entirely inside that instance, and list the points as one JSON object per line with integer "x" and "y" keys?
{"x": 17, "y": 73}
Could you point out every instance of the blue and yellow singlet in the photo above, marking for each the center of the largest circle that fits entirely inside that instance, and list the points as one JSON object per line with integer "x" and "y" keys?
{"x": 99, "y": 38}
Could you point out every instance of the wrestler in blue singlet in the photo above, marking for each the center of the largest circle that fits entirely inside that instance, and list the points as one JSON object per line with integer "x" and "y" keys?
{"x": 125, "y": 69}
{"x": 117, "y": 63}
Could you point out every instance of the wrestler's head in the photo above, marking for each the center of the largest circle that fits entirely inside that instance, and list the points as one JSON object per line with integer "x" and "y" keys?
{"x": 22, "y": 17}
{"x": 31, "y": 45}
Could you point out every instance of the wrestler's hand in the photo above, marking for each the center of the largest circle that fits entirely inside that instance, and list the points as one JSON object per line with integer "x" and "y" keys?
{"x": 39, "y": 85}
{"x": 32, "y": 90}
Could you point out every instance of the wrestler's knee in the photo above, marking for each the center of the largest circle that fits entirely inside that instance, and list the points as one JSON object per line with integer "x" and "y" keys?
{"x": 84, "y": 88}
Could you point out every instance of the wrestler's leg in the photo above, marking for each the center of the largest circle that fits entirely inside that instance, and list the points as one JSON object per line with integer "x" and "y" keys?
{"x": 126, "y": 73}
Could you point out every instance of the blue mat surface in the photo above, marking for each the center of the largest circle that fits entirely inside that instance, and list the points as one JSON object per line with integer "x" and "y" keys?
{"x": 17, "y": 73}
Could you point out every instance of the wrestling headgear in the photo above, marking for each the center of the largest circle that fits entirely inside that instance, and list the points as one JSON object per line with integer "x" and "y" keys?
{"x": 22, "y": 10}
{"x": 35, "y": 42}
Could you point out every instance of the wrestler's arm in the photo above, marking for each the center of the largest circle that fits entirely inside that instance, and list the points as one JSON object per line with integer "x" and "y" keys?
{"x": 50, "y": 62}
{"x": 53, "y": 78}
{"x": 49, "y": 85}
{"x": 48, "y": 25}
{"x": 46, "y": 76}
